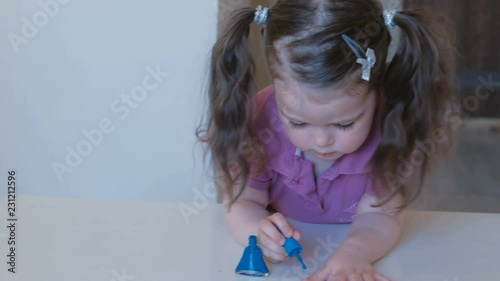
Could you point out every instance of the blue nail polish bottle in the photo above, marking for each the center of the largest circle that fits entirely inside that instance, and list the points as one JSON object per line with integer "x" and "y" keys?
{"x": 252, "y": 262}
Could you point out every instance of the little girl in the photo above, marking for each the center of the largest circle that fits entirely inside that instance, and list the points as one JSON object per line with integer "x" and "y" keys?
{"x": 339, "y": 136}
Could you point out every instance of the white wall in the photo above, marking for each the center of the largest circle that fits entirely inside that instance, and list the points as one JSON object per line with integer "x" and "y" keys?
{"x": 66, "y": 71}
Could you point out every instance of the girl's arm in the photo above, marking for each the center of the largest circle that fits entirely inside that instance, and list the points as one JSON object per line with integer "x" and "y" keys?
{"x": 372, "y": 235}
{"x": 245, "y": 214}
{"x": 375, "y": 230}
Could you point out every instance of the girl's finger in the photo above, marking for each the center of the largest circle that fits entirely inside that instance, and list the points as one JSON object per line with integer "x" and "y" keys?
{"x": 319, "y": 275}
{"x": 273, "y": 256}
{"x": 355, "y": 277}
{"x": 368, "y": 277}
{"x": 280, "y": 221}
{"x": 285, "y": 227}
{"x": 297, "y": 235}
{"x": 337, "y": 277}
{"x": 380, "y": 277}
{"x": 267, "y": 243}
{"x": 267, "y": 226}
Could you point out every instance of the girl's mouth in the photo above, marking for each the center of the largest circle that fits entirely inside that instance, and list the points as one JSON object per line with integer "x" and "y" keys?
{"x": 326, "y": 155}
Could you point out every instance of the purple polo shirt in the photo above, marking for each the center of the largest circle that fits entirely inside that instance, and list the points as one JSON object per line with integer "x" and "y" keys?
{"x": 289, "y": 178}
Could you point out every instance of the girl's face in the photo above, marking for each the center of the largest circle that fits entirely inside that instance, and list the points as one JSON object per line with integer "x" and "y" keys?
{"x": 327, "y": 123}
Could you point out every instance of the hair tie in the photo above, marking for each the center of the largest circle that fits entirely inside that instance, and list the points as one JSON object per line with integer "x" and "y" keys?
{"x": 261, "y": 15}
{"x": 389, "y": 18}
{"x": 366, "y": 59}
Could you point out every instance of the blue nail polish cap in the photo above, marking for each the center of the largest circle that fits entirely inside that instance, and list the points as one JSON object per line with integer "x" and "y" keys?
{"x": 252, "y": 262}
{"x": 293, "y": 249}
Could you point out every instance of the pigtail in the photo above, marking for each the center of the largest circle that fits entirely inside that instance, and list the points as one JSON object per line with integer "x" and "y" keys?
{"x": 231, "y": 96}
{"x": 418, "y": 91}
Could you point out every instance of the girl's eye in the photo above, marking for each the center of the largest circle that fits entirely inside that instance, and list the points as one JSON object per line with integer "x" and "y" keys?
{"x": 345, "y": 127}
{"x": 297, "y": 125}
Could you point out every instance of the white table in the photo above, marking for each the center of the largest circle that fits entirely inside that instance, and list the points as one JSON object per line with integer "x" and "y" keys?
{"x": 60, "y": 239}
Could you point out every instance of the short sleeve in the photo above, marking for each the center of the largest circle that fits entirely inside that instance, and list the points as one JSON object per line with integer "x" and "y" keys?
{"x": 376, "y": 187}
{"x": 262, "y": 180}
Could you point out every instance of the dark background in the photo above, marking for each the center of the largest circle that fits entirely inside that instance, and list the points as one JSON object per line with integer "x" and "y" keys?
{"x": 475, "y": 27}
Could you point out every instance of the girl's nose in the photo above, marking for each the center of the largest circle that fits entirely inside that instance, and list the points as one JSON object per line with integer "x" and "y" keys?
{"x": 323, "y": 137}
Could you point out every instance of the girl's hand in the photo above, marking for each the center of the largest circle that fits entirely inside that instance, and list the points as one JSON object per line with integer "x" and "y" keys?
{"x": 271, "y": 241}
{"x": 346, "y": 267}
